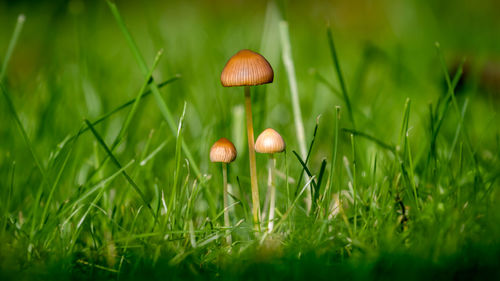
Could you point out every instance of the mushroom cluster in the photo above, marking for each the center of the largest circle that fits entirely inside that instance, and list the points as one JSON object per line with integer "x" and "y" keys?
{"x": 247, "y": 68}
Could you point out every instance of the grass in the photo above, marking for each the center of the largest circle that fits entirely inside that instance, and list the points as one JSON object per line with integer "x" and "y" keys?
{"x": 391, "y": 169}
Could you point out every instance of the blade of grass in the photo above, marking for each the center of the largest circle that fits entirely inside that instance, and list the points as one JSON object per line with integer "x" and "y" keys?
{"x": 117, "y": 109}
{"x": 17, "y": 31}
{"x": 93, "y": 265}
{"x": 308, "y": 155}
{"x": 304, "y": 167}
{"x": 437, "y": 117}
{"x": 318, "y": 184}
{"x": 294, "y": 91}
{"x": 6, "y": 206}
{"x": 192, "y": 198}
{"x": 328, "y": 190}
{"x": 354, "y": 182}
{"x": 379, "y": 142}
{"x": 127, "y": 241}
{"x": 243, "y": 198}
{"x": 406, "y": 154}
{"x": 153, "y": 153}
{"x": 404, "y": 124}
{"x": 286, "y": 51}
{"x": 117, "y": 163}
{"x": 55, "y": 183}
{"x": 457, "y": 132}
{"x": 458, "y": 112}
{"x": 287, "y": 213}
{"x": 171, "y": 209}
{"x": 12, "y": 44}
{"x": 287, "y": 182}
{"x": 81, "y": 197}
{"x": 411, "y": 173}
{"x": 340, "y": 77}
{"x": 329, "y": 85}
{"x": 131, "y": 114}
{"x": 159, "y": 100}
{"x": 156, "y": 92}
{"x": 38, "y": 163}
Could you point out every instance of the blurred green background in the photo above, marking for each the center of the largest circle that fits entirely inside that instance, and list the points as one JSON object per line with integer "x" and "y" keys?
{"x": 72, "y": 62}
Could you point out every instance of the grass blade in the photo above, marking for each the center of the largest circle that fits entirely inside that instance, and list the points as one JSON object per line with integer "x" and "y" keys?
{"x": 294, "y": 92}
{"x": 457, "y": 132}
{"x": 458, "y": 112}
{"x": 165, "y": 111}
{"x": 292, "y": 80}
{"x": 136, "y": 101}
{"x": 308, "y": 155}
{"x": 117, "y": 163}
{"x": 379, "y": 142}
{"x": 81, "y": 197}
{"x": 318, "y": 184}
{"x": 154, "y": 89}
{"x": 55, "y": 183}
{"x": 171, "y": 204}
{"x": 340, "y": 77}
{"x": 20, "y": 126}
{"x": 329, "y": 85}
{"x": 6, "y": 206}
{"x": 287, "y": 213}
{"x": 12, "y": 44}
{"x": 121, "y": 107}
{"x": 354, "y": 181}
{"x": 335, "y": 143}
{"x": 304, "y": 165}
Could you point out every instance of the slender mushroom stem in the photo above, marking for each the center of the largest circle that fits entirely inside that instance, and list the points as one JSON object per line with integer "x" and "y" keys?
{"x": 270, "y": 183}
{"x": 253, "y": 166}
{"x": 226, "y": 204}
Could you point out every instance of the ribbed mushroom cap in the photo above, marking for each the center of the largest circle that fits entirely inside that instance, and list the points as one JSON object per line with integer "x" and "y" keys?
{"x": 223, "y": 150}
{"x": 269, "y": 141}
{"x": 246, "y": 68}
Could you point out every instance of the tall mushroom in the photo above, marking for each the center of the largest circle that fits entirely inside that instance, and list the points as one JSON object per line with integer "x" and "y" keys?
{"x": 247, "y": 68}
{"x": 270, "y": 142}
{"x": 223, "y": 151}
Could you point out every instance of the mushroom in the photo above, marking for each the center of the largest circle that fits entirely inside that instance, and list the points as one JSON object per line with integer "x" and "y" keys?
{"x": 248, "y": 68}
{"x": 270, "y": 142}
{"x": 223, "y": 151}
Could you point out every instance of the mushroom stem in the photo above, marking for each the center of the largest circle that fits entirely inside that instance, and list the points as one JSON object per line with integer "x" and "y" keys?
{"x": 226, "y": 204}
{"x": 270, "y": 183}
{"x": 253, "y": 166}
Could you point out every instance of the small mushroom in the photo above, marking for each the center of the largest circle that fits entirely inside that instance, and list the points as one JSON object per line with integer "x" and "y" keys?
{"x": 247, "y": 68}
{"x": 270, "y": 142}
{"x": 223, "y": 151}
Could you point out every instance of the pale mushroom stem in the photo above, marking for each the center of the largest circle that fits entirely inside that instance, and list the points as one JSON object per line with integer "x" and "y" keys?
{"x": 270, "y": 183}
{"x": 253, "y": 166}
{"x": 226, "y": 204}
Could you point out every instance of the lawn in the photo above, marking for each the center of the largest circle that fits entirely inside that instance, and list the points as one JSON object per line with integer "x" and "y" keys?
{"x": 389, "y": 112}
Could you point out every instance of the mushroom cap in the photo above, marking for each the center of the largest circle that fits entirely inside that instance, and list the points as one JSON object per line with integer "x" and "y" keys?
{"x": 246, "y": 68}
{"x": 223, "y": 151}
{"x": 269, "y": 141}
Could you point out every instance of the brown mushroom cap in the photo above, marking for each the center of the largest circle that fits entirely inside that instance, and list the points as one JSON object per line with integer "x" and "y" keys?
{"x": 223, "y": 151}
{"x": 246, "y": 68}
{"x": 269, "y": 141}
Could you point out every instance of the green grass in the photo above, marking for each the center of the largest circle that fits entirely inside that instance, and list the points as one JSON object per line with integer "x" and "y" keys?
{"x": 108, "y": 112}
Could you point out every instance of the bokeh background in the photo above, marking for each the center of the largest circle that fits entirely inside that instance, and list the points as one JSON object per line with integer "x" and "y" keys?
{"x": 72, "y": 62}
